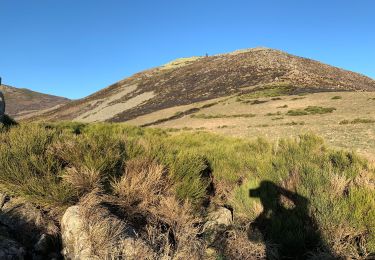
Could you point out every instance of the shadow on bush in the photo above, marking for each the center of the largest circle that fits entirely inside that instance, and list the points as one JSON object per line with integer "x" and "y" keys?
{"x": 6, "y": 121}
{"x": 285, "y": 223}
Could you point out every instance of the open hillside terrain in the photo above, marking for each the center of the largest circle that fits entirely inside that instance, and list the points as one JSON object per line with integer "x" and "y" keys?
{"x": 343, "y": 119}
{"x": 21, "y": 102}
{"x": 190, "y": 80}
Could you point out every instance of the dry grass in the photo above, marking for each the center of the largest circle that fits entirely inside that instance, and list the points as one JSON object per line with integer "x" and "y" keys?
{"x": 83, "y": 179}
{"x": 145, "y": 191}
{"x": 339, "y": 184}
{"x": 142, "y": 183}
{"x": 236, "y": 245}
{"x": 108, "y": 236}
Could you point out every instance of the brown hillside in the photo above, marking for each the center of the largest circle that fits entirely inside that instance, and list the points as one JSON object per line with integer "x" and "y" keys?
{"x": 22, "y": 102}
{"x": 189, "y": 80}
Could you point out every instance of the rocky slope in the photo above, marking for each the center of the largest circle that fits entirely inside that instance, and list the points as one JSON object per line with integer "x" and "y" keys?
{"x": 189, "y": 80}
{"x": 22, "y": 102}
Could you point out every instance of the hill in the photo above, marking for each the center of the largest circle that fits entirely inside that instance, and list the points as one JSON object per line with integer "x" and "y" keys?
{"x": 21, "y": 102}
{"x": 190, "y": 80}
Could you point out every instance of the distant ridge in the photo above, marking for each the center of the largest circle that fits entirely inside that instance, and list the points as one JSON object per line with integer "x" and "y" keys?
{"x": 189, "y": 80}
{"x": 22, "y": 102}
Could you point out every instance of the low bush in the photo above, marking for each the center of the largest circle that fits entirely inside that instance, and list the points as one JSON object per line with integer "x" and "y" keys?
{"x": 311, "y": 110}
{"x": 357, "y": 121}
{"x": 255, "y": 102}
{"x": 294, "y": 123}
{"x": 278, "y": 113}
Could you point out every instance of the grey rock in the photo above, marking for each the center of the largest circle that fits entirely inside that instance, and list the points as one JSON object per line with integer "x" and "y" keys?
{"x": 217, "y": 222}
{"x": 81, "y": 233}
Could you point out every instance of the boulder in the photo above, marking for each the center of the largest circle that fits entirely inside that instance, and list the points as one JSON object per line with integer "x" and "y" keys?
{"x": 217, "y": 222}
{"x": 75, "y": 238}
{"x": 92, "y": 232}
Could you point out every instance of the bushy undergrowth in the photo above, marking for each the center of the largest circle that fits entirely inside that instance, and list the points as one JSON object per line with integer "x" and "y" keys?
{"x": 272, "y": 90}
{"x": 55, "y": 165}
{"x": 357, "y": 121}
{"x": 310, "y": 110}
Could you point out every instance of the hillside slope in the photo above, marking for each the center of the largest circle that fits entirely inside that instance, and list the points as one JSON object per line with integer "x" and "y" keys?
{"x": 22, "y": 102}
{"x": 189, "y": 80}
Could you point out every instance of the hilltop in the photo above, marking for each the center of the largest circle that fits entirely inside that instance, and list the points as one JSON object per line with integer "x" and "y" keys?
{"x": 22, "y": 102}
{"x": 190, "y": 80}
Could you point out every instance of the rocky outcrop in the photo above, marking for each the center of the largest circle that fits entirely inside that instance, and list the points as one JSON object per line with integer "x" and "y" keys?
{"x": 26, "y": 231}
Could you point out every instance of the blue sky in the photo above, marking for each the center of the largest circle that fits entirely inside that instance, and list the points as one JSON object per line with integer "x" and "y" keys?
{"x": 73, "y": 48}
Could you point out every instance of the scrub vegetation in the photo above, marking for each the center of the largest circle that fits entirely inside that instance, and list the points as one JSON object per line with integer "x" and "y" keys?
{"x": 164, "y": 184}
{"x": 311, "y": 110}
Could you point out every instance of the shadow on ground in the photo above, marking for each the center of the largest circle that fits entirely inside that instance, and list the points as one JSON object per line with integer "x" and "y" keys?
{"x": 285, "y": 224}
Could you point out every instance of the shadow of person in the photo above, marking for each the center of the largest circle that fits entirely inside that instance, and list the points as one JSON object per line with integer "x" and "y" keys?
{"x": 285, "y": 223}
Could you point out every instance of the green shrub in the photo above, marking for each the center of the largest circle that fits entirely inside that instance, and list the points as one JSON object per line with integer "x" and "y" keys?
{"x": 278, "y": 113}
{"x": 311, "y": 110}
{"x": 255, "y": 102}
{"x": 357, "y": 121}
{"x": 297, "y": 112}
{"x": 337, "y": 97}
{"x": 294, "y": 123}
{"x": 267, "y": 91}
{"x": 29, "y": 170}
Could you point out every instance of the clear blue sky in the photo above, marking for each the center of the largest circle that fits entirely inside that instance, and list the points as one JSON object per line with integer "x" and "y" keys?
{"x": 73, "y": 48}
